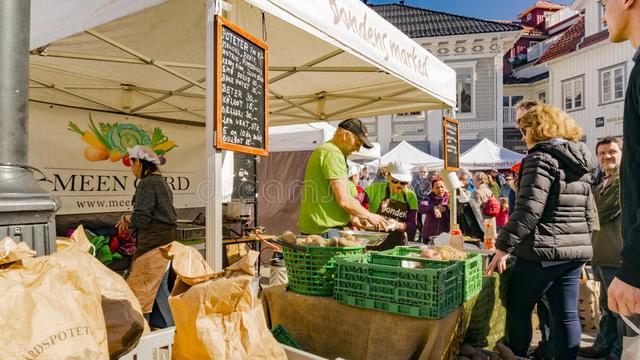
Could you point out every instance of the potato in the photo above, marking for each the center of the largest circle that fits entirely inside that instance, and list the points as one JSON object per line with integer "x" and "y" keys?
{"x": 288, "y": 237}
{"x": 344, "y": 242}
{"x": 350, "y": 237}
{"x": 315, "y": 240}
{"x": 467, "y": 350}
{"x": 301, "y": 242}
{"x": 505, "y": 352}
{"x": 479, "y": 356}
{"x": 460, "y": 357}
{"x": 331, "y": 242}
{"x": 494, "y": 356}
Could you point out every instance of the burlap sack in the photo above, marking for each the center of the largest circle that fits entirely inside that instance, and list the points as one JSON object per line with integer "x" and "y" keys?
{"x": 51, "y": 309}
{"x": 588, "y": 302}
{"x": 123, "y": 315}
{"x": 220, "y": 318}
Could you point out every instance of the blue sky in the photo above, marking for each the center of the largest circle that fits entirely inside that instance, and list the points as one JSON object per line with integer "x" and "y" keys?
{"x": 483, "y": 9}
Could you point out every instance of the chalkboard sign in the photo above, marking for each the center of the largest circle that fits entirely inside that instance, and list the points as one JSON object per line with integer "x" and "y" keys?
{"x": 451, "y": 141}
{"x": 241, "y": 97}
{"x": 244, "y": 177}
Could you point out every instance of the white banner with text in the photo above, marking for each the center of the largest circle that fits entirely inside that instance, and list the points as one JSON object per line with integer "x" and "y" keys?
{"x": 84, "y": 154}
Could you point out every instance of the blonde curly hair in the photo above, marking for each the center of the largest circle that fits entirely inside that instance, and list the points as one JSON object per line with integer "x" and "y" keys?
{"x": 547, "y": 122}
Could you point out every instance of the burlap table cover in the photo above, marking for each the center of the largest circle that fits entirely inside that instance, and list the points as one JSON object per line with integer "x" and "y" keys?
{"x": 327, "y": 328}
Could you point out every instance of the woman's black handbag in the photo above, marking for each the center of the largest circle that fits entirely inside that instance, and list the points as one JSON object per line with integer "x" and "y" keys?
{"x": 470, "y": 219}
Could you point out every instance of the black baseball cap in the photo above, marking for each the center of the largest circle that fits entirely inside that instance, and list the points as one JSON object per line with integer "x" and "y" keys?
{"x": 356, "y": 127}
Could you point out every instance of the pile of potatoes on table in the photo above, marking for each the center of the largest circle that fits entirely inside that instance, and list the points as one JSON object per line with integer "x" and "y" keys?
{"x": 317, "y": 240}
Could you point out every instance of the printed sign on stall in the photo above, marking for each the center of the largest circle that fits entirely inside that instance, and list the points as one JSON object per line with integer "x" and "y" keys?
{"x": 241, "y": 97}
{"x": 84, "y": 155}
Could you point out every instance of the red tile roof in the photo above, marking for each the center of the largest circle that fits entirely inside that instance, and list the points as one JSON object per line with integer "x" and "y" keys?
{"x": 568, "y": 42}
{"x": 595, "y": 38}
{"x": 530, "y": 30}
{"x": 547, "y": 5}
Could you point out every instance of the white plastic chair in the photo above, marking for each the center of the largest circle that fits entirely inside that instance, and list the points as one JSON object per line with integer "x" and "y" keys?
{"x": 153, "y": 346}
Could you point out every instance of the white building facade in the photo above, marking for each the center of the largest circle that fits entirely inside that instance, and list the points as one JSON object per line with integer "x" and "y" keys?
{"x": 590, "y": 83}
{"x": 475, "y": 49}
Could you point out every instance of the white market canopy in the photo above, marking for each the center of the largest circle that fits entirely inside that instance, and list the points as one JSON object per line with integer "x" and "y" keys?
{"x": 328, "y": 60}
{"x": 300, "y": 137}
{"x": 408, "y": 154}
{"x": 487, "y": 155}
{"x": 307, "y": 137}
{"x": 367, "y": 154}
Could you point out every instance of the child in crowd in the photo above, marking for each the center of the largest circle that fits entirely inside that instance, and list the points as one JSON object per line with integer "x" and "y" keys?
{"x": 503, "y": 215}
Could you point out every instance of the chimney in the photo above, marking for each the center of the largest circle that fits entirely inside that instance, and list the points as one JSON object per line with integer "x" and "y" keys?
{"x": 401, "y": 2}
{"x": 27, "y": 212}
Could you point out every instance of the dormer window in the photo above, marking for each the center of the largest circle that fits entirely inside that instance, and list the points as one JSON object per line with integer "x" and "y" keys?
{"x": 601, "y": 9}
{"x": 529, "y": 16}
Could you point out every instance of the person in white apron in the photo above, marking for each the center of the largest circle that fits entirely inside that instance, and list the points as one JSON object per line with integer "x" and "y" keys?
{"x": 393, "y": 199}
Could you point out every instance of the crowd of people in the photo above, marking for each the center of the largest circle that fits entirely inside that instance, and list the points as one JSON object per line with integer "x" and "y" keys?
{"x": 556, "y": 211}
{"x": 487, "y": 190}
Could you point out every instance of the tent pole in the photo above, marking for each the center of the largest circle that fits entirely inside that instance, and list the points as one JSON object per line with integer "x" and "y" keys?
{"x": 213, "y": 197}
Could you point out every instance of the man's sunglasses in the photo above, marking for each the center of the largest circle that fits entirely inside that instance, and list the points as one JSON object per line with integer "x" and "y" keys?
{"x": 399, "y": 182}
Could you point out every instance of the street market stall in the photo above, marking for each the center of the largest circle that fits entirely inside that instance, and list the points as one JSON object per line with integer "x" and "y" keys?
{"x": 328, "y": 60}
{"x": 121, "y": 67}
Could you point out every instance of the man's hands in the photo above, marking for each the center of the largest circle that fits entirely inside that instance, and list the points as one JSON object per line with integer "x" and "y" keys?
{"x": 377, "y": 221}
{"x": 623, "y": 298}
{"x": 499, "y": 261}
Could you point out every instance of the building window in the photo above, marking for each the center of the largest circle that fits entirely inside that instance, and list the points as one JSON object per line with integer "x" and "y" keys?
{"x": 601, "y": 25}
{"x": 412, "y": 113}
{"x": 529, "y": 17}
{"x": 612, "y": 83}
{"x": 466, "y": 89}
{"x": 573, "y": 93}
{"x": 510, "y": 101}
{"x": 542, "y": 96}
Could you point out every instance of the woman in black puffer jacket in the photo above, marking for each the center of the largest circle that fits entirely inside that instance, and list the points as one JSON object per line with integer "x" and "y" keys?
{"x": 549, "y": 231}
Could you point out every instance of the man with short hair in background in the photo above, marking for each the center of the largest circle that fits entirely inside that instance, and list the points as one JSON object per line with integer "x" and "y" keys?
{"x": 607, "y": 245}
{"x": 623, "y": 23}
{"x": 365, "y": 178}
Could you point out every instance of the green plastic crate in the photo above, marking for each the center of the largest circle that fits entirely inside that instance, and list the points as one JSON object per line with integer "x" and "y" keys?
{"x": 472, "y": 271}
{"x": 282, "y": 335}
{"x": 430, "y": 292}
{"x": 311, "y": 272}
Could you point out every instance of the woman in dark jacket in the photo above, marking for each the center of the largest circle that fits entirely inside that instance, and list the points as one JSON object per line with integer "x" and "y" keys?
{"x": 549, "y": 231}
{"x": 153, "y": 221}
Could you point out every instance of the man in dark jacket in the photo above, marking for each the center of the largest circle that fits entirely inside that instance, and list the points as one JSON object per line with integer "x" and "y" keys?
{"x": 623, "y": 22}
{"x": 607, "y": 244}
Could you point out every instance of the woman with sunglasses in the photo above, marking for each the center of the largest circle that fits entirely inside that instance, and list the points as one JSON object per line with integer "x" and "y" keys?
{"x": 549, "y": 231}
{"x": 436, "y": 209}
{"x": 393, "y": 199}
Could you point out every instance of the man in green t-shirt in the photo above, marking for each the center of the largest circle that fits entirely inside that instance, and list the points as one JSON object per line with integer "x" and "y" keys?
{"x": 326, "y": 203}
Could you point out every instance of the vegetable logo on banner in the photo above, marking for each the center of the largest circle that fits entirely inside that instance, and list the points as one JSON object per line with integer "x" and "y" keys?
{"x": 110, "y": 141}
